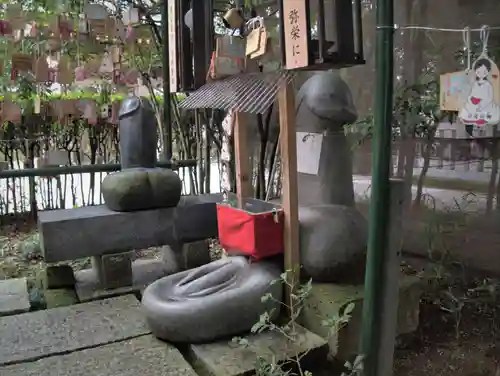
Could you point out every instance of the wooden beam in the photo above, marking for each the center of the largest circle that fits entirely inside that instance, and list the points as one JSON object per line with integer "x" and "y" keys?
{"x": 242, "y": 159}
{"x": 289, "y": 191}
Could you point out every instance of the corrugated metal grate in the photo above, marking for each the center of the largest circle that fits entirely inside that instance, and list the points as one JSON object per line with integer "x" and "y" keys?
{"x": 251, "y": 92}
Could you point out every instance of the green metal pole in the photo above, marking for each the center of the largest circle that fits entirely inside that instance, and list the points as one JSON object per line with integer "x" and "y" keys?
{"x": 167, "y": 104}
{"x": 378, "y": 238}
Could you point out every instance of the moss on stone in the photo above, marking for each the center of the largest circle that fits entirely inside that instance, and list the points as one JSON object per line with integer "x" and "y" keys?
{"x": 60, "y": 298}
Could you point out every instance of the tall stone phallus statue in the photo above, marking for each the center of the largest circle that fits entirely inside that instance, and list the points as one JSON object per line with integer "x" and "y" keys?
{"x": 333, "y": 234}
{"x": 140, "y": 185}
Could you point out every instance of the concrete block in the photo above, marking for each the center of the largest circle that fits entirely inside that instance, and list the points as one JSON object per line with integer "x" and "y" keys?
{"x": 35, "y": 335}
{"x": 55, "y": 298}
{"x": 197, "y": 220}
{"x": 145, "y": 356}
{"x": 71, "y": 234}
{"x": 328, "y": 300}
{"x": 187, "y": 256}
{"x": 14, "y": 297}
{"x": 144, "y": 272}
{"x": 114, "y": 270}
{"x": 57, "y": 277}
{"x": 226, "y": 358}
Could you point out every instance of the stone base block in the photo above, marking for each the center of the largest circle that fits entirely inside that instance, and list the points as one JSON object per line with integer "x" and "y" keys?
{"x": 71, "y": 234}
{"x": 14, "y": 297}
{"x": 187, "y": 256}
{"x": 327, "y": 300}
{"x": 60, "y": 298}
{"x": 144, "y": 271}
{"x": 226, "y": 358}
{"x": 57, "y": 277}
{"x": 113, "y": 270}
{"x": 145, "y": 356}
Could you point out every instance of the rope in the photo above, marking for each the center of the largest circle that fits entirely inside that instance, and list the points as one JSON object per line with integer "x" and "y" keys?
{"x": 484, "y": 29}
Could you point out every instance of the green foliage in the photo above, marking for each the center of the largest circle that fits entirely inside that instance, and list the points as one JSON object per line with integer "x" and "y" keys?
{"x": 416, "y": 107}
{"x": 289, "y": 330}
{"x": 30, "y": 248}
{"x": 416, "y": 110}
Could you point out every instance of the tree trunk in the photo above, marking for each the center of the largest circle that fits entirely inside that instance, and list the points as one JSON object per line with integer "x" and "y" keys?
{"x": 425, "y": 168}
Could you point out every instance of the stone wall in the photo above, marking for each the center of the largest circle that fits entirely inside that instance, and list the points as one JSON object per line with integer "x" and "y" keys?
{"x": 469, "y": 239}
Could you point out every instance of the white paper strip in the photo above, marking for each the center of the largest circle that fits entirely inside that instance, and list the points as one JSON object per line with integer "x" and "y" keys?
{"x": 308, "y": 152}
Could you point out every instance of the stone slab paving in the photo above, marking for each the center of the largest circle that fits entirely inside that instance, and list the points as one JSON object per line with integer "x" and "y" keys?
{"x": 226, "y": 358}
{"x": 144, "y": 356}
{"x": 14, "y": 297}
{"x": 35, "y": 335}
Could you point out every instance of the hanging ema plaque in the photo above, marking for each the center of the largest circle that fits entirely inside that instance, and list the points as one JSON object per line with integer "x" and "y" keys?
{"x": 482, "y": 103}
{"x": 296, "y": 34}
{"x": 454, "y": 88}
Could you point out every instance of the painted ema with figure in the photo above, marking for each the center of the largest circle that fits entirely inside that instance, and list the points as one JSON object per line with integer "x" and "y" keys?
{"x": 482, "y": 105}
{"x": 478, "y": 97}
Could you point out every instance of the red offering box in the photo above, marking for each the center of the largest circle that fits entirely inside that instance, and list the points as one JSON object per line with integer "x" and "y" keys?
{"x": 256, "y": 230}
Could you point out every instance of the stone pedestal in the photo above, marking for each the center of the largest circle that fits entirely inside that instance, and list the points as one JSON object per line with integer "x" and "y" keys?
{"x": 71, "y": 234}
{"x": 186, "y": 256}
{"x": 226, "y": 358}
{"x": 60, "y": 298}
{"x": 114, "y": 270}
{"x": 57, "y": 277}
{"x": 328, "y": 300}
{"x": 89, "y": 283}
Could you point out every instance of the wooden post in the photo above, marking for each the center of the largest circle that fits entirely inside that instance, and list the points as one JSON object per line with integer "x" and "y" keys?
{"x": 242, "y": 160}
{"x": 289, "y": 191}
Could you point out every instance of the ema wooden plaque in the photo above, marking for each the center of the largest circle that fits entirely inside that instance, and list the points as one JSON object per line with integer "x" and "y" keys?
{"x": 296, "y": 34}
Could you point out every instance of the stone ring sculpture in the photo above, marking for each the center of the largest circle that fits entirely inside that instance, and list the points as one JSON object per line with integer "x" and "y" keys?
{"x": 216, "y": 300}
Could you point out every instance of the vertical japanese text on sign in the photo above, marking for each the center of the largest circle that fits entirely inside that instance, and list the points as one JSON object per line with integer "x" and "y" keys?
{"x": 295, "y": 34}
{"x": 293, "y": 18}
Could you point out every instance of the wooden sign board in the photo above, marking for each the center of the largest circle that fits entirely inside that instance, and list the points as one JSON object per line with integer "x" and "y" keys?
{"x": 172, "y": 45}
{"x": 295, "y": 33}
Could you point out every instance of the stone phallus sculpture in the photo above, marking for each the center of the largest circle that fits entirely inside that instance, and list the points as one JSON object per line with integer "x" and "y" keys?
{"x": 223, "y": 298}
{"x": 139, "y": 185}
{"x": 333, "y": 234}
